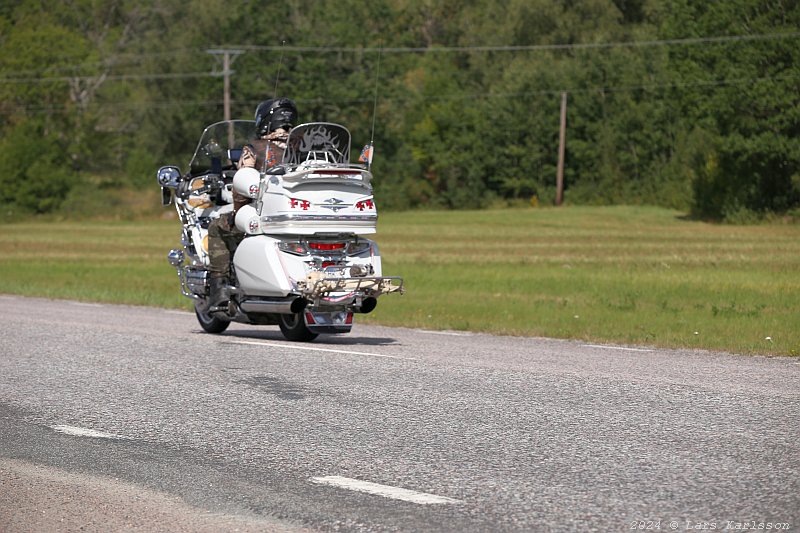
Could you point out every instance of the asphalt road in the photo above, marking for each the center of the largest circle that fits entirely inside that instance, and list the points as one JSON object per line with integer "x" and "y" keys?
{"x": 131, "y": 419}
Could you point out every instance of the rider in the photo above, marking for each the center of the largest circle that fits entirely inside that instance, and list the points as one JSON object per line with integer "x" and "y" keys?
{"x": 274, "y": 119}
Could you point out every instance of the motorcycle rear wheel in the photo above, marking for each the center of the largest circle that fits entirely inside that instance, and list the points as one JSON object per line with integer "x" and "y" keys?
{"x": 294, "y": 328}
{"x": 210, "y": 324}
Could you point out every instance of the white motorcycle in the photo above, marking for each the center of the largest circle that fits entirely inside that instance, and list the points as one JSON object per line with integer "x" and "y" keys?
{"x": 303, "y": 263}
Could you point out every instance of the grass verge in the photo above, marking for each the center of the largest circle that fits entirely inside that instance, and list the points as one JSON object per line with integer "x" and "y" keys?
{"x": 604, "y": 274}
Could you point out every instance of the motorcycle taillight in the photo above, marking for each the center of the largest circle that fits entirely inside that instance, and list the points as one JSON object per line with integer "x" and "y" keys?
{"x": 296, "y": 247}
{"x": 326, "y": 246}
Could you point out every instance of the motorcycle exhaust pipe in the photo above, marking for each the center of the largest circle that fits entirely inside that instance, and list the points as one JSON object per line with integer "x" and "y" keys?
{"x": 298, "y": 304}
{"x": 281, "y": 307}
{"x": 368, "y": 305}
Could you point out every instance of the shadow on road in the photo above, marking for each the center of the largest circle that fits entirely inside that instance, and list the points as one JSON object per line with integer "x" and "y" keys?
{"x": 322, "y": 340}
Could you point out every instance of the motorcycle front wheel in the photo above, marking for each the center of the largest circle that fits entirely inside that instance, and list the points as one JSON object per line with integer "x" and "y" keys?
{"x": 294, "y": 328}
{"x": 210, "y": 324}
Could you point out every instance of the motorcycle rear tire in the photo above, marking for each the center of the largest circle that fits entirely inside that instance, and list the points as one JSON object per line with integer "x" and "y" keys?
{"x": 210, "y": 324}
{"x": 294, "y": 328}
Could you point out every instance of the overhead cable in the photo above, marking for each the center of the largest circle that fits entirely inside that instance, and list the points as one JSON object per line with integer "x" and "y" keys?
{"x": 114, "y": 61}
{"x": 534, "y": 47}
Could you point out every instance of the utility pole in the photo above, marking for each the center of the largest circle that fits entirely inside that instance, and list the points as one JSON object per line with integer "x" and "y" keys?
{"x": 228, "y": 57}
{"x": 562, "y": 139}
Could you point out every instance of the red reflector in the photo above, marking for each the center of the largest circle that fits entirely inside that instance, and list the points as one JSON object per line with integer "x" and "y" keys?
{"x": 326, "y": 264}
{"x": 326, "y": 245}
{"x": 310, "y": 319}
{"x": 294, "y": 203}
{"x": 349, "y": 319}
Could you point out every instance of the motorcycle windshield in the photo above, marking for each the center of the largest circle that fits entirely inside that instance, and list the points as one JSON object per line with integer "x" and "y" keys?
{"x": 221, "y": 144}
{"x": 318, "y": 141}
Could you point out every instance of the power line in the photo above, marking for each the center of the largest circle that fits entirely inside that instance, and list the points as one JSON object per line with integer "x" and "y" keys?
{"x": 444, "y": 97}
{"x": 115, "y": 61}
{"x": 166, "y": 76}
{"x": 124, "y": 105}
{"x": 535, "y": 47}
{"x": 112, "y": 62}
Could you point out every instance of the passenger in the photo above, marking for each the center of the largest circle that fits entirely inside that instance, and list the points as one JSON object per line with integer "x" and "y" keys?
{"x": 274, "y": 120}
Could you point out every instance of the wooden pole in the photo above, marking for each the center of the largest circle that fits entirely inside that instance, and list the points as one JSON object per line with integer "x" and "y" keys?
{"x": 562, "y": 140}
{"x": 226, "y": 71}
{"x": 228, "y": 56}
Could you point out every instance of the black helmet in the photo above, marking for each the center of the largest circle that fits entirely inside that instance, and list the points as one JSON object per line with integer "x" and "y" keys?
{"x": 274, "y": 114}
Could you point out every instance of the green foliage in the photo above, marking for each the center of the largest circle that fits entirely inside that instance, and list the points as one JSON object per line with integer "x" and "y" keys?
{"x": 35, "y": 174}
{"x": 710, "y": 127}
{"x": 754, "y": 118}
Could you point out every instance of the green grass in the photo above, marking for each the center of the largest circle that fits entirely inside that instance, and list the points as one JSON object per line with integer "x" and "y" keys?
{"x": 613, "y": 274}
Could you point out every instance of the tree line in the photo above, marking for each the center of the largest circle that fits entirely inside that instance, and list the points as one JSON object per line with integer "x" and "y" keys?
{"x": 687, "y": 104}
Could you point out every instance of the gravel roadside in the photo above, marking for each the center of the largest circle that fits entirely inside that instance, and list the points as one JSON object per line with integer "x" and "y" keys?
{"x": 45, "y": 499}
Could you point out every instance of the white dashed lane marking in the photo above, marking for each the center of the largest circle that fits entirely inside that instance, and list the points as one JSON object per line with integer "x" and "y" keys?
{"x": 616, "y": 348}
{"x": 450, "y": 333}
{"x": 85, "y": 432}
{"x": 387, "y": 491}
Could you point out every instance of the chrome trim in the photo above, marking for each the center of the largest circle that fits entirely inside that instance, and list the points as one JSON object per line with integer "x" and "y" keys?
{"x": 334, "y": 204}
{"x": 193, "y": 281}
{"x": 175, "y": 257}
{"x": 318, "y": 218}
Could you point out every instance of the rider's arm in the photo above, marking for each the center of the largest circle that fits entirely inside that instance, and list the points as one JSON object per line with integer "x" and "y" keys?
{"x": 248, "y": 157}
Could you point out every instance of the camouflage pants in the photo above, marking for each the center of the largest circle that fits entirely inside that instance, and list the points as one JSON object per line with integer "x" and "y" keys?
{"x": 223, "y": 238}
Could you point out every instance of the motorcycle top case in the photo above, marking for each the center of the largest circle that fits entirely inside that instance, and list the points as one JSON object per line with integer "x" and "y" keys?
{"x": 317, "y": 189}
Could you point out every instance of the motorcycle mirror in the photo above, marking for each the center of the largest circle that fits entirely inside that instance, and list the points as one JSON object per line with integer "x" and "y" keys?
{"x": 169, "y": 176}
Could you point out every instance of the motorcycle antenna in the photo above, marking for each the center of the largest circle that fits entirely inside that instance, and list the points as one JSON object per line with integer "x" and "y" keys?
{"x": 278, "y": 75}
{"x": 374, "y": 108}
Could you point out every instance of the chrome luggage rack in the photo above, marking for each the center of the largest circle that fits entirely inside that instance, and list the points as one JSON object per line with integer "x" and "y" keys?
{"x": 316, "y": 286}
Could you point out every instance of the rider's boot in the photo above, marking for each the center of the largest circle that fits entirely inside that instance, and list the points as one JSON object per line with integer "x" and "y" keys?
{"x": 218, "y": 292}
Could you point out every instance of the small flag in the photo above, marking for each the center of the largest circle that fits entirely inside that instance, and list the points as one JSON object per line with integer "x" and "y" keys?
{"x": 366, "y": 155}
